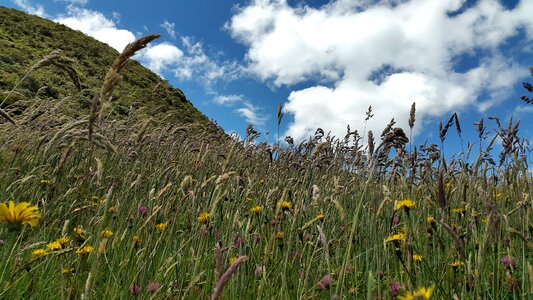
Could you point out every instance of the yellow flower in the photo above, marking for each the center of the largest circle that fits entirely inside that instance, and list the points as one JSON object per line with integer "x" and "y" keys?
{"x": 456, "y": 264}
{"x": 68, "y": 270}
{"x": 279, "y": 235}
{"x": 39, "y": 253}
{"x": 262, "y": 181}
{"x": 85, "y": 250}
{"x": 417, "y": 257}
{"x": 233, "y": 259}
{"x": 22, "y": 213}
{"x": 284, "y": 205}
{"x": 431, "y": 220}
{"x": 320, "y": 216}
{"x": 136, "y": 240}
{"x": 161, "y": 227}
{"x": 256, "y": 209}
{"x": 62, "y": 240}
{"x": 79, "y": 232}
{"x": 420, "y": 294}
{"x": 46, "y": 182}
{"x": 203, "y": 217}
{"x": 458, "y": 211}
{"x": 395, "y": 237}
{"x": 107, "y": 233}
{"x": 54, "y": 246}
{"x": 405, "y": 204}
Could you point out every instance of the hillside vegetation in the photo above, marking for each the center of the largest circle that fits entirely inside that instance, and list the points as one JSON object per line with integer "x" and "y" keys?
{"x": 98, "y": 204}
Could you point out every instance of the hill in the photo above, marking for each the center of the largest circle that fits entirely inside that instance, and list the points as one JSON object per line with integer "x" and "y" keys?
{"x": 27, "y": 39}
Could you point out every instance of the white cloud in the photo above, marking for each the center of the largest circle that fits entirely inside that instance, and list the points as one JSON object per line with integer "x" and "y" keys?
{"x": 251, "y": 114}
{"x": 26, "y": 5}
{"x": 170, "y": 28}
{"x": 228, "y": 99}
{"x": 98, "y": 26}
{"x": 339, "y": 48}
{"x": 161, "y": 56}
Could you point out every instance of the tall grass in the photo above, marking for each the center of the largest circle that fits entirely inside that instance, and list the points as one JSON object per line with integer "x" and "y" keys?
{"x": 324, "y": 210}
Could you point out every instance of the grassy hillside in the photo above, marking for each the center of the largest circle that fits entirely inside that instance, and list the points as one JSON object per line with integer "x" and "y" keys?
{"x": 26, "y": 39}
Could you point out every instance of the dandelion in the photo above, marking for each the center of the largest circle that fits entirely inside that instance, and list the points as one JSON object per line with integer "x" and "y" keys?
{"x": 405, "y": 204}
{"x": 39, "y": 253}
{"x": 46, "y": 182}
{"x": 54, "y": 246}
{"x": 107, "y": 233}
{"x": 79, "y": 233}
{"x": 256, "y": 209}
{"x": 417, "y": 257}
{"x": 420, "y": 294}
{"x": 19, "y": 214}
{"x": 204, "y": 217}
{"x": 262, "y": 181}
{"x": 284, "y": 205}
{"x": 161, "y": 227}
{"x": 320, "y": 216}
{"x": 459, "y": 211}
{"x": 136, "y": 240}
{"x": 68, "y": 270}
{"x": 456, "y": 264}
{"x": 279, "y": 235}
{"x": 232, "y": 259}
{"x": 62, "y": 240}
{"x": 431, "y": 220}
{"x": 85, "y": 250}
{"x": 400, "y": 236}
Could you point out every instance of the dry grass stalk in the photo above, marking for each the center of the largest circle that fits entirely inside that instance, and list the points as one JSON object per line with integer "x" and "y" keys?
{"x": 217, "y": 292}
{"x": 412, "y": 115}
{"x": 218, "y": 261}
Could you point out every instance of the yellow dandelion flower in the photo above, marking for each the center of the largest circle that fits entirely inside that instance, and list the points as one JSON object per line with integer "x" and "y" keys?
{"x": 19, "y": 214}
{"x": 458, "y": 211}
{"x": 284, "y": 205}
{"x": 405, "y": 204}
{"x": 161, "y": 227}
{"x": 320, "y": 216}
{"x": 395, "y": 237}
{"x": 39, "y": 253}
{"x": 85, "y": 250}
{"x": 54, "y": 246}
{"x": 68, "y": 270}
{"x": 456, "y": 264}
{"x": 203, "y": 217}
{"x": 62, "y": 240}
{"x": 79, "y": 233}
{"x": 136, "y": 240}
{"x": 233, "y": 259}
{"x": 256, "y": 209}
{"x": 107, "y": 233}
{"x": 430, "y": 219}
{"x": 262, "y": 181}
{"x": 279, "y": 235}
{"x": 417, "y": 257}
{"x": 420, "y": 294}
{"x": 46, "y": 182}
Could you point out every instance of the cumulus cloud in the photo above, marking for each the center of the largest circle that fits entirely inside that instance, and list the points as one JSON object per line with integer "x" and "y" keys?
{"x": 351, "y": 54}
{"x": 26, "y": 5}
{"x": 98, "y": 26}
{"x": 161, "y": 56}
{"x": 252, "y": 114}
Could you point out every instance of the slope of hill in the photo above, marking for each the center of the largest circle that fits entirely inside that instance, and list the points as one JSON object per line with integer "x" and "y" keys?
{"x": 26, "y": 39}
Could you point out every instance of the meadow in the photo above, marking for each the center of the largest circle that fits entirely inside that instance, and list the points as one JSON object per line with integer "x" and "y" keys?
{"x": 142, "y": 208}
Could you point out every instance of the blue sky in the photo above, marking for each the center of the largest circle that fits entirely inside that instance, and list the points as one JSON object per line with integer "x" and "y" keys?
{"x": 326, "y": 61}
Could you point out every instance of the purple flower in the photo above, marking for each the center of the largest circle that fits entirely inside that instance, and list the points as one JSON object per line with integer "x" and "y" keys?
{"x": 153, "y": 287}
{"x": 143, "y": 210}
{"x": 395, "y": 288}
{"x": 325, "y": 282}
{"x": 509, "y": 262}
{"x": 135, "y": 289}
{"x": 259, "y": 270}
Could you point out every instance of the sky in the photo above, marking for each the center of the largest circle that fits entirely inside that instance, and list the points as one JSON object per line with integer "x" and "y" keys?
{"x": 326, "y": 62}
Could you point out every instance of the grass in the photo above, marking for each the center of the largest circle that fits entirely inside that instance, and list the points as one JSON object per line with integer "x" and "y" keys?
{"x": 181, "y": 202}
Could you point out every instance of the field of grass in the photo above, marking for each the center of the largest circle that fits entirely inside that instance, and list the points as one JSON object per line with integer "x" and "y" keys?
{"x": 142, "y": 208}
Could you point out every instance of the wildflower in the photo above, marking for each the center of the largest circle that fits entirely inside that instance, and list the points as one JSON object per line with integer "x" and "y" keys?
{"x": 509, "y": 262}
{"x": 256, "y": 209}
{"x": 233, "y": 259}
{"x": 395, "y": 288}
{"x": 262, "y": 181}
{"x": 459, "y": 211}
{"x": 142, "y": 211}
{"x": 203, "y": 217}
{"x": 46, "y": 182}
{"x": 79, "y": 233}
{"x": 136, "y": 240}
{"x": 431, "y": 220}
{"x": 405, "y": 204}
{"x": 62, "y": 240}
{"x": 161, "y": 227}
{"x": 17, "y": 215}
{"x": 39, "y": 253}
{"x": 279, "y": 235}
{"x": 284, "y": 205}
{"x": 85, "y": 250}
{"x": 417, "y": 257}
{"x": 68, "y": 270}
{"x": 107, "y": 233}
{"x": 135, "y": 289}
{"x": 54, "y": 246}
{"x": 456, "y": 264}
{"x": 422, "y": 294}
{"x": 320, "y": 216}
{"x": 324, "y": 283}
{"x": 153, "y": 287}
{"x": 396, "y": 237}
